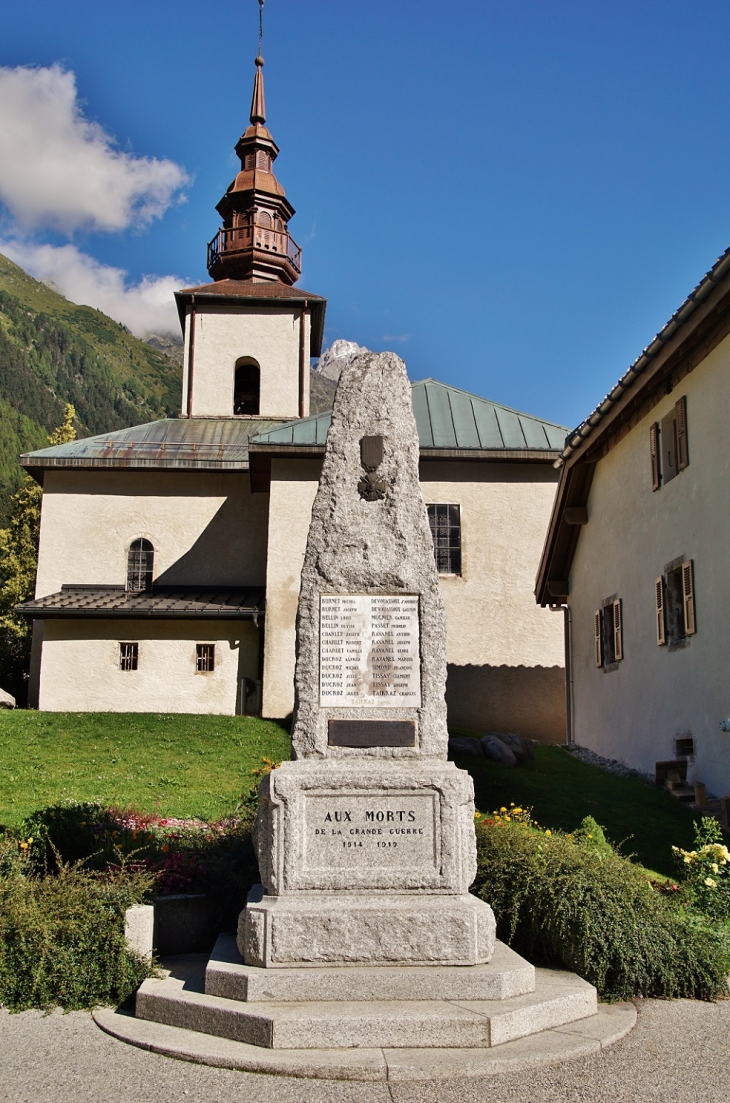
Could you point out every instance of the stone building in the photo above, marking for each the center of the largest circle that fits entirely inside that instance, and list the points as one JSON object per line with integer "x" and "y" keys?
{"x": 637, "y": 546}
{"x": 170, "y": 553}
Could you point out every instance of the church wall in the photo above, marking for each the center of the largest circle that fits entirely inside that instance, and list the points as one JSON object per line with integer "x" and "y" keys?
{"x": 81, "y": 673}
{"x": 271, "y": 338}
{"x": 206, "y": 527}
{"x": 505, "y": 654}
{"x": 293, "y": 488}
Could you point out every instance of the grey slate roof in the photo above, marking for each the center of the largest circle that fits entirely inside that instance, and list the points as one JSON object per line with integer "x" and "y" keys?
{"x": 212, "y": 602}
{"x": 447, "y": 418}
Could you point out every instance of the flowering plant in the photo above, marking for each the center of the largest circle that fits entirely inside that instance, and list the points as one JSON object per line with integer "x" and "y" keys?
{"x": 705, "y": 871}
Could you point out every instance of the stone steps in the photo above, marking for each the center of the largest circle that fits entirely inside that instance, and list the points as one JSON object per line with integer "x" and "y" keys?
{"x": 179, "y": 1000}
{"x": 507, "y": 974}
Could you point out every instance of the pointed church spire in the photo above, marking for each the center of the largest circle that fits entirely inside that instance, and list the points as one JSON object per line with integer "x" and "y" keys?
{"x": 258, "y": 106}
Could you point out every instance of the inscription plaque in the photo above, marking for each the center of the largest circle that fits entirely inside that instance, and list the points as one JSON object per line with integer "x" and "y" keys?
{"x": 369, "y": 651}
{"x": 371, "y": 733}
{"x": 362, "y": 829}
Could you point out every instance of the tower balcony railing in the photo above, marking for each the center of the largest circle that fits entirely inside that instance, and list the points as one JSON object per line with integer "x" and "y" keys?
{"x": 238, "y": 239}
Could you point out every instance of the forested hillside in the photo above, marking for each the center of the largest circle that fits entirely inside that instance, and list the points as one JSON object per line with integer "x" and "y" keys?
{"x": 53, "y": 352}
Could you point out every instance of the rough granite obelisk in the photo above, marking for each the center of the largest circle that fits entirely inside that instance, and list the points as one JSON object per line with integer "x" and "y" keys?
{"x": 366, "y": 840}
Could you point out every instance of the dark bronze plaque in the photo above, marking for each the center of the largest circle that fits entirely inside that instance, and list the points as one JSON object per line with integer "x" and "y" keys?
{"x": 371, "y": 733}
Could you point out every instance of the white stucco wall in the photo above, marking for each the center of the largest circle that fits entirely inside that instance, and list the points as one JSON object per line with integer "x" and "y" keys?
{"x": 509, "y": 653}
{"x": 206, "y": 527}
{"x": 224, "y": 334}
{"x": 635, "y": 712}
{"x": 80, "y": 669}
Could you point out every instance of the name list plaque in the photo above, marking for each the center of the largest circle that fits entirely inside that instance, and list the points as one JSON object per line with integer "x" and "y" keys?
{"x": 369, "y": 651}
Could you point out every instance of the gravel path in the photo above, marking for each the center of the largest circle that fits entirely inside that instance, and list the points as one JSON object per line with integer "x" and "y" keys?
{"x": 679, "y": 1052}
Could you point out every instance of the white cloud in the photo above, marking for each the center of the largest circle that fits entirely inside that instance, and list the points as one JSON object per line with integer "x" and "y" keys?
{"x": 145, "y": 307}
{"x": 396, "y": 337}
{"x": 60, "y": 171}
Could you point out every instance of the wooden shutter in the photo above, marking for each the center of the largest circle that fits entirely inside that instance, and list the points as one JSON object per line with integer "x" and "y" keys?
{"x": 688, "y": 597}
{"x": 680, "y": 410}
{"x": 654, "y": 452}
{"x": 661, "y": 631}
{"x": 618, "y": 631}
{"x": 597, "y": 637}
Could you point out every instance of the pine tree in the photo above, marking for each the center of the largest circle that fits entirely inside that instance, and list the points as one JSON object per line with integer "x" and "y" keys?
{"x": 18, "y": 564}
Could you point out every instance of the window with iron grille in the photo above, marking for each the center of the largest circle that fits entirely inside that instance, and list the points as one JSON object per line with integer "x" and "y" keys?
{"x": 204, "y": 658}
{"x": 140, "y": 564}
{"x": 445, "y": 522}
{"x": 128, "y": 656}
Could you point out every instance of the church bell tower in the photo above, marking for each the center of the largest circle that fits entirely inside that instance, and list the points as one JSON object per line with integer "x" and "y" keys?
{"x": 254, "y": 242}
{"x": 249, "y": 334}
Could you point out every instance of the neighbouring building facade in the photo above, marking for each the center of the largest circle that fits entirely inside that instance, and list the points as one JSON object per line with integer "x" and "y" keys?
{"x": 637, "y": 551}
{"x": 170, "y": 553}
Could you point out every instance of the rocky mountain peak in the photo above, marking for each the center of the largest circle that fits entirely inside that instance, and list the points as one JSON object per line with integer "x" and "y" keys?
{"x": 336, "y": 357}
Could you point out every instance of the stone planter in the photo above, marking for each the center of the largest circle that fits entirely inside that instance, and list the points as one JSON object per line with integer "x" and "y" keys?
{"x": 184, "y": 923}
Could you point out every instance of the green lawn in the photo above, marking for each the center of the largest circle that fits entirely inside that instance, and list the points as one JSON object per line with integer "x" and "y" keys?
{"x": 199, "y": 766}
{"x": 561, "y": 790}
{"x": 176, "y": 765}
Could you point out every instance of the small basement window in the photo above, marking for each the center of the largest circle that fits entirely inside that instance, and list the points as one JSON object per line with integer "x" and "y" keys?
{"x": 204, "y": 658}
{"x": 445, "y": 522}
{"x": 128, "y": 656}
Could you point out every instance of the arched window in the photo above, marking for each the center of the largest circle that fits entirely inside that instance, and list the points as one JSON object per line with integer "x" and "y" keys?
{"x": 265, "y": 220}
{"x": 140, "y": 562}
{"x": 246, "y": 387}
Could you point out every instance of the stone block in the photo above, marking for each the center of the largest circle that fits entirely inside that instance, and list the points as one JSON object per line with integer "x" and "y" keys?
{"x": 505, "y": 976}
{"x": 355, "y": 826}
{"x": 139, "y": 923}
{"x": 351, "y": 929}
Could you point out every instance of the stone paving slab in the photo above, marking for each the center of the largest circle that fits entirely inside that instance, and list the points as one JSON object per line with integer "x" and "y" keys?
{"x": 389, "y": 1065}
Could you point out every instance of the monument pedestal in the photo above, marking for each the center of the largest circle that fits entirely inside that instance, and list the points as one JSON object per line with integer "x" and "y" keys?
{"x": 350, "y": 929}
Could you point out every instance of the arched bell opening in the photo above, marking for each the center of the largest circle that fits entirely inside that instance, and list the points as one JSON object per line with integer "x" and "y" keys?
{"x": 247, "y": 386}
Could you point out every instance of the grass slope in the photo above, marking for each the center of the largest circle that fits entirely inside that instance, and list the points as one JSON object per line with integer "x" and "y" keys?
{"x": 561, "y": 790}
{"x": 52, "y": 352}
{"x": 175, "y": 765}
{"x": 199, "y": 766}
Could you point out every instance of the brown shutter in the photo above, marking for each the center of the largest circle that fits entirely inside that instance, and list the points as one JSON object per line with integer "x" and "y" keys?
{"x": 654, "y": 452}
{"x": 680, "y": 410}
{"x": 661, "y": 632}
{"x": 618, "y": 631}
{"x": 688, "y": 595}
{"x": 659, "y": 614}
{"x": 597, "y": 637}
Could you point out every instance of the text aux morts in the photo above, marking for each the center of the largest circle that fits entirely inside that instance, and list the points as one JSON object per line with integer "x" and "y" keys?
{"x": 383, "y": 827}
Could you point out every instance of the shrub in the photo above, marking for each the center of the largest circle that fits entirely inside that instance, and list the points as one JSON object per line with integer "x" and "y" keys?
{"x": 62, "y": 937}
{"x": 705, "y": 871}
{"x": 572, "y": 900}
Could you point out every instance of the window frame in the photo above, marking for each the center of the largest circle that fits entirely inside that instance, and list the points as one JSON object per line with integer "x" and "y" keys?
{"x": 452, "y": 557}
{"x": 205, "y": 658}
{"x": 140, "y": 546}
{"x": 128, "y": 659}
{"x": 608, "y": 634}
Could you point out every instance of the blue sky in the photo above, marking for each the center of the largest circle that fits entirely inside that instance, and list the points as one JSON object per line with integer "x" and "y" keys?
{"x": 513, "y": 197}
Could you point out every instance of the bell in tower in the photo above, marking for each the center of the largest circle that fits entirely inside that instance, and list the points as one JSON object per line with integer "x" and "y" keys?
{"x": 254, "y": 242}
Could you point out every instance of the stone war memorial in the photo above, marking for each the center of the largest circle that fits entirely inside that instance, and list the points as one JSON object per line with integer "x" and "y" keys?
{"x": 362, "y": 955}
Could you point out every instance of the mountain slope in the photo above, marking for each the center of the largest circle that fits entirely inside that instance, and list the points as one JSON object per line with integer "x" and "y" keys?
{"x": 53, "y": 352}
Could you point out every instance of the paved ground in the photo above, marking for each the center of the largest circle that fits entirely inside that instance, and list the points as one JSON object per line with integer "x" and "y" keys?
{"x": 678, "y": 1053}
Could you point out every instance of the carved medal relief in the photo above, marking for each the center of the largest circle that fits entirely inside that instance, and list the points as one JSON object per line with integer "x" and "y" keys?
{"x": 369, "y": 650}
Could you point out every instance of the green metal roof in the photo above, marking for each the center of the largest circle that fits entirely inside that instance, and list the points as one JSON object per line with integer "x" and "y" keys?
{"x": 447, "y": 418}
{"x": 208, "y": 443}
